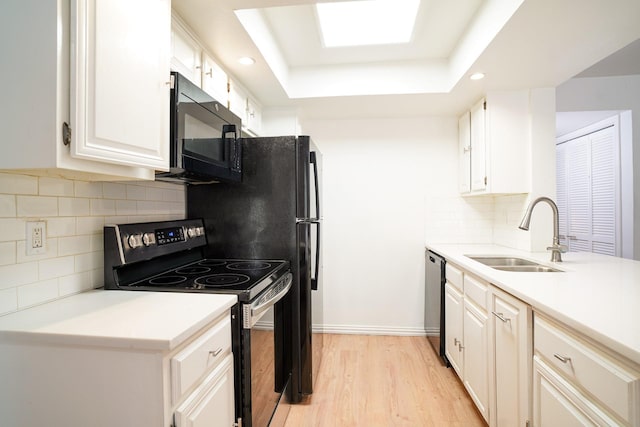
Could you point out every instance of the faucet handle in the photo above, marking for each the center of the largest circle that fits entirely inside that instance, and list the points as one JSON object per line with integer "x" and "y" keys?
{"x": 560, "y": 248}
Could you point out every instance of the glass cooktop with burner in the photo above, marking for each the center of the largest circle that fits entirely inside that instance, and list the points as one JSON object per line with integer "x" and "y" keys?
{"x": 246, "y": 278}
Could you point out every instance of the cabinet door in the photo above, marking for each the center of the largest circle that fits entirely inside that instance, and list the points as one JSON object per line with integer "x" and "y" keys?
{"x": 557, "y": 403}
{"x": 214, "y": 80}
{"x": 119, "y": 81}
{"x": 453, "y": 327}
{"x": 511, "y": 320}
{"x": 464, "y": 152}
{"x": 476, "y": 356}
{"x": 185, "y": 54}
{"x": 211, "y": 405}
{"x": 478, "y": 147}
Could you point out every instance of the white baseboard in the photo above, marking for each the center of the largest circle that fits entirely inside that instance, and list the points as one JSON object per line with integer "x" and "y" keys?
{"x": 369, "y": 330}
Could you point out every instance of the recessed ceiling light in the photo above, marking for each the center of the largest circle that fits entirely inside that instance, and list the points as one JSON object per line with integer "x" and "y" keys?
{"x": 367, "y": 22}
{"x": 476, "y": 76}
{"x": 246, "y": 60}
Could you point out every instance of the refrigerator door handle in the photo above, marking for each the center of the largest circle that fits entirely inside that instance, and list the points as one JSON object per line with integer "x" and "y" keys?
{"x": 315, "y": 277}
{"x": 314, "y": 161}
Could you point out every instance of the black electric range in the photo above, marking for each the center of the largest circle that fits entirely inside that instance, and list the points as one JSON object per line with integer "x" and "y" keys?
{"x": 169, "y": 256}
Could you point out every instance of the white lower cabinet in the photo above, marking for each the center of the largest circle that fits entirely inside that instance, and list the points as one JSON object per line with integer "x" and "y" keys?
{"x": 453, "y": 331}
{"x": 77, "y": 385}
{"x": 212, "y": 403}
{"x": 512, "y": 337}
{"x": 577, "y": 382}
{"x": 466, "y": 334}
{"x": 557, "y": 403}
{"x": 488, "y": 342}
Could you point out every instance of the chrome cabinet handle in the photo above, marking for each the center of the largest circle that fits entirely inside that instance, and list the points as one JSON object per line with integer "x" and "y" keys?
{"x": 563, "y": 359}
{"x": 501, "y": 317}
{"x": 214, "y": 353}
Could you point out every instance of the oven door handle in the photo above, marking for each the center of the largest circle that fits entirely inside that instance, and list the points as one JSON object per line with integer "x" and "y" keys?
{"x": 253, "y": 313}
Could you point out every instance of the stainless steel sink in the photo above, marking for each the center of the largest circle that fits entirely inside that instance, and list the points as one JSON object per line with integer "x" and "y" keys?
{"x": 501, "y": 261}
{"x": 506, "y": 263}
{"x": 527, "y": 268}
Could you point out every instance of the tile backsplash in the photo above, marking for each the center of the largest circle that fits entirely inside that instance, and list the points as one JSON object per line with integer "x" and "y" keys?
{"x": 74, "y": 213}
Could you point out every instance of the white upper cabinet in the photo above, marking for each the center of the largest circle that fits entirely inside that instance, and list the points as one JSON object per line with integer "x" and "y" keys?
{"x": 93, "y": 69}
{"x": 464, "y": 154}
{"x": 119, "y": 81}
{"x": 214, "y": 80}
{"x": 478, "y": 146}
{"x": 186, "y": 53}
{"x": 498, "y": 141}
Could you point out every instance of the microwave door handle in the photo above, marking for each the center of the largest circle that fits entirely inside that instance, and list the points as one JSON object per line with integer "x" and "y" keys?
{"x": 228, "y": 128}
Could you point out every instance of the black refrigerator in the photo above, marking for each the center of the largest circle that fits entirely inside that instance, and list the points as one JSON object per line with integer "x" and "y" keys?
{"x": 275, "y": 213}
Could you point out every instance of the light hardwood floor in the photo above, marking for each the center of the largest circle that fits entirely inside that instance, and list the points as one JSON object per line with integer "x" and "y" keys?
{"x": 383, "y": 381}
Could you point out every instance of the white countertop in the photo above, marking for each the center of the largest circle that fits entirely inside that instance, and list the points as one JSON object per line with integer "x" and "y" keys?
{"x": 597, "y": 295}
{"x": 122, "y": 319}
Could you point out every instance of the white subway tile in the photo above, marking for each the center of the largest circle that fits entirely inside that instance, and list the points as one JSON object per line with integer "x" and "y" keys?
{"x": 154, "y": 193}
{"x": 136, "y": 192}
{"x": 74, "y": 245}
{"x": 7, "y": 253}
{"x": 8, "y": 300}
{"x": 90, "y": 190}
{"x": 8, "y": 205}
{"x": 97, "y": 242}
{"x": 103, "y": 207}
{"x": 74, "y": 206}
{"x": 90, "y": 224}
{"x": 113, "y": 220}
{"x": 37, "y": 206}
{"x": 89, "y": 261}
{"x": 97, "y": 278}
{"x": 74, "y": 283}
{"x": 126, "y": 207}
{"x": 18, "y": 274}
{"x": 37, "y": 293}
{"x": 12, "y": 229}
{"x": 55, "y": 187}
{"x": 61, "y": 226}
{"x": 18, "y": 184}
{"x": 112, "y": 190}
{"x": 57, "y": 267}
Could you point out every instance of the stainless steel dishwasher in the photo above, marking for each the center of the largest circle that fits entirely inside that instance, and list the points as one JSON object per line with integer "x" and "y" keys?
{"x": 434, "y": 302}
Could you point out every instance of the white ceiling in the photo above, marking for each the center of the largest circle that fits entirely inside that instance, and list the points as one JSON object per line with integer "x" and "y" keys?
{"x": 517, "y": 43}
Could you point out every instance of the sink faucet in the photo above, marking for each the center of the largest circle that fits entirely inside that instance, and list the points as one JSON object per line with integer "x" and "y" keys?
{"x": 556, "y": 248}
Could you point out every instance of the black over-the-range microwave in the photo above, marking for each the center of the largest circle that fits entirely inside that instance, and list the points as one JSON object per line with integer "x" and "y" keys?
{"x": 204, "y": 145}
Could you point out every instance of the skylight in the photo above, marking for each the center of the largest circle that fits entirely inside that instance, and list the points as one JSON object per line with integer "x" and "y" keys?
{"x": 367, "y": 22}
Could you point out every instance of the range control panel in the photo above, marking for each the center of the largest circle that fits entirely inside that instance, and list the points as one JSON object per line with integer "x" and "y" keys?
{"x": 139, "y": 241}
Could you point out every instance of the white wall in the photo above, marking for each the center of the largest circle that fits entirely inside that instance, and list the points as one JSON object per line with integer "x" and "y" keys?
{"x": 609, "y": 93}
{"x": 75, "y": 213}
{"x": 388, "y": 185}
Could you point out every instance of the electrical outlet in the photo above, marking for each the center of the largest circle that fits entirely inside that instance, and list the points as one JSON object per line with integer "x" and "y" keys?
{"x": 36, "y": 237}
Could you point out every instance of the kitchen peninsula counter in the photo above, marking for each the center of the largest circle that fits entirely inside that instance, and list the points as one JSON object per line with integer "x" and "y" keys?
{"x": 116, "y": 319}
{"x": 597, "y": 295}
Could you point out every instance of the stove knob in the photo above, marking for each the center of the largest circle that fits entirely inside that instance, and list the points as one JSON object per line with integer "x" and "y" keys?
{"x": 148, "y": 239}
{"x": 191, "y": 232}
{"x": 200, "y": 231}
{"x": 134, "y": 241}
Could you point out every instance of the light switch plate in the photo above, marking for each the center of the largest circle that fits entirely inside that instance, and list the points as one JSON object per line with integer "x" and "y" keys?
{"x": 36, "y": 242}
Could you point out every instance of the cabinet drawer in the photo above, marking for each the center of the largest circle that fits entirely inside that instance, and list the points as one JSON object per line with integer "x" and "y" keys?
{"x": 454, "y": 276}
{"x": 589, "y": 369}
{"x": 199, "y": 357}
{"x": 476, "y": 290}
